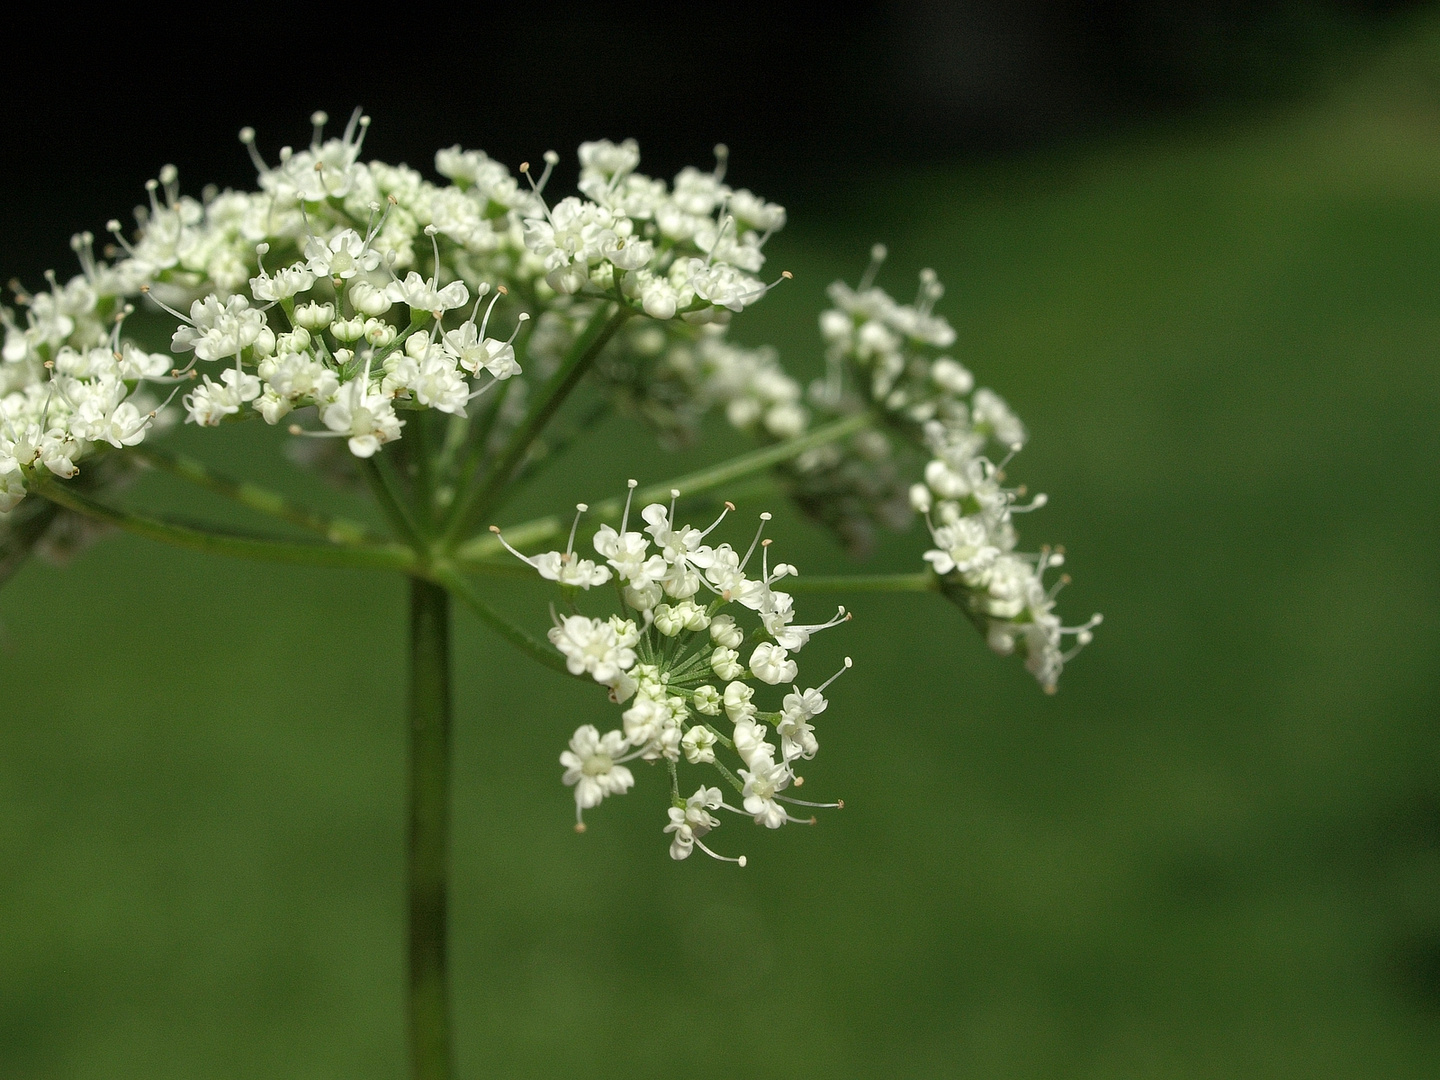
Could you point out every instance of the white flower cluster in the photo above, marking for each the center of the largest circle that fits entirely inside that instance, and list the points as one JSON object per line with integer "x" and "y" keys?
{"x": 345, "y": 323}
{"x": 688, "y": 671}
{"x": 897, "y": 349}
{"x": 68, "y": 383}
{"x": 690, "y": 250}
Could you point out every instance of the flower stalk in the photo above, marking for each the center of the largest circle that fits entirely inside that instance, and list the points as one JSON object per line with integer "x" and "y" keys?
{"x": 428, "y": 847}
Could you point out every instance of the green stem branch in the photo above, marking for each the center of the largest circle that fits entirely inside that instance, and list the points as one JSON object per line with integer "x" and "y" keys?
{"x": 335, "y": 529}
{"x": 923, "y": 581}
{"x": 477, "y": 501}
{"x": 385, "y": 497}
{"x": 368, "y": 556}
{"x": 541, "y": 529}
{"x": 540, "y": 651}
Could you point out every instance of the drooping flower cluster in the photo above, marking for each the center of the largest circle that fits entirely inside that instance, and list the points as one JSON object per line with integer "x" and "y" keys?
{"x": 681, "y": 661}
{"x": 896, "y": 352}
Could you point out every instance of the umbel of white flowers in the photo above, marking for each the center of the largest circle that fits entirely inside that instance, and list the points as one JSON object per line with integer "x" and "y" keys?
{"x": 689, "y": 670}
{"x": 344, "y": 296}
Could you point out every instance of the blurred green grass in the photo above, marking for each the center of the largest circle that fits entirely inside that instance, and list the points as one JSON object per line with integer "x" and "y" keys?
{"x": 1215, "y": 853}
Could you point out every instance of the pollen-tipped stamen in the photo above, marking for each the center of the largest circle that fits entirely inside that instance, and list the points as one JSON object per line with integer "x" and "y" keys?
{"x": 526, "y": 559}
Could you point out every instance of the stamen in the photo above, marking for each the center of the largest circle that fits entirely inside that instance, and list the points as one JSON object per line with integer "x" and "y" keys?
{"x": 839, "y": 804}
{"x": 674, "y": 494}
{"x": 358, "y": 119}
{"x": 728, "y": 507}
{"x": 113, "y": 228}
{"x": 725, "y": 223}
{"x": 372, "y": 230}
{"x": 485, "y": 322}
{"x": 523, "y": 558}
{"x": 722, "y": 161}
{"x": 930, "y": 290}
{"x": 1015, "y": 448}
{"x": 580, "y": 508}
{"x": 481, "y": 389}
{"x": 722, "y": 858}
{"x": 877, "y": 256}
{"x": 841, "y": 616}
{"x": 296, "y": 429}
{"x": 520, "y": 320}
{"x": 848, "y": 665}
{"x": 430, "y": 231}
{"x": 751, "y": 551}
{"x": 83, "y": 244}
{"x": 630, "y": 494}
{"x": 318, "y": 120}
{"x": 247, "y": 138}
{"x": 551, "y": 159}
{"x": 481, "y": 291}
{"x": 161, "y": 303}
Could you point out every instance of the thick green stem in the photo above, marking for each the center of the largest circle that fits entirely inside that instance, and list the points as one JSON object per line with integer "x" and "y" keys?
{"x": 428, "y": 1005}
{"x": 541, "y": 529}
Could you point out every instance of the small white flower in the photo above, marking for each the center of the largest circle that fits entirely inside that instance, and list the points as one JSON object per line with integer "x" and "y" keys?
{"x": 592, "y": 767}
{"x": 345, "y": 255}
{"x": 707, "y": 700}
{"x": 366, "y": 418}
{"x": 737, "y": 701}
{"x": 763, "y": 781}
{"x": 422, "y": 295}
{"x": 749, "y": 739}
{"x": 699, "y": 745}
{"x": 726, "y": 664}
{"x": 725, "y": 633}
{"x": 474, "y": 352}
{"x": 596, "y": 647}
{"x": 772, "y": 664}
{"x": 693, "y": 821}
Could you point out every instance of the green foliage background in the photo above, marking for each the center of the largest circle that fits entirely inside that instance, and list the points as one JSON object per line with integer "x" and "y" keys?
{"x": 1215, "y": 853}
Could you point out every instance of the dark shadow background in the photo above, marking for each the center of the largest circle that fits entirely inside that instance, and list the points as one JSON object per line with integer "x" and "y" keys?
{"x": 806, "y": 102}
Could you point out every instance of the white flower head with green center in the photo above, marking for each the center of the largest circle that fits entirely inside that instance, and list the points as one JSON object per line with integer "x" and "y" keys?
{"x": 594, "y": 767}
